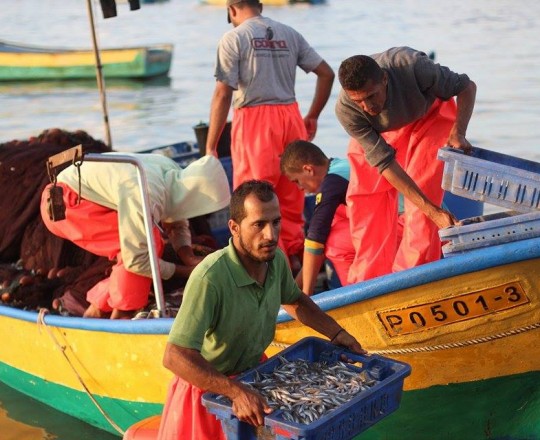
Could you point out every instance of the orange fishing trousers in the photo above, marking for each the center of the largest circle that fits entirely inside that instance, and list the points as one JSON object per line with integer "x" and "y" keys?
{"x": 259, "y": 135}
{"x": 339, "y": 248}
{"x": 373, "y": 202}
{"x": 184, "y": 417}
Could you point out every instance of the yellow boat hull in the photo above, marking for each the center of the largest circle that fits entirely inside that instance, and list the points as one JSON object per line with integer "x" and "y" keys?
{"x": 467, "y": 325}
{"x": 505, "y": 337}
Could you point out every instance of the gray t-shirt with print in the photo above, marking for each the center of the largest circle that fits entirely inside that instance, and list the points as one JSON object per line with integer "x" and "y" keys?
{"x": 414, "y": 82}
{"x": 258, "y": 59}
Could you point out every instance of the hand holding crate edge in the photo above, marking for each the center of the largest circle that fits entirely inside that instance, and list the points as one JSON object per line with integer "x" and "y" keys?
{"x": 363, "y": 410}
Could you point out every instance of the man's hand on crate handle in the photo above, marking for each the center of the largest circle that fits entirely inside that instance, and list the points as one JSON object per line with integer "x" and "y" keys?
{"x": 309, "y": 313}
{"x": 459, "y": 141}
{"x": 187, "y": 363}
{"x": 465, "y": 104}
{"x": 400, "y": 180}
{"x": 344, "y": 339}
{"x": 248, "y": 405}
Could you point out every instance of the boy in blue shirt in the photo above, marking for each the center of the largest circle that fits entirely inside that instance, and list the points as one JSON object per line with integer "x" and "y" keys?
{"x": 328, "y": 236}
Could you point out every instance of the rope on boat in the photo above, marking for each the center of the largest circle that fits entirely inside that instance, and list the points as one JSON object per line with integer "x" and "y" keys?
{"x": 42, "y": 324}
{"x": 444, "y": 346}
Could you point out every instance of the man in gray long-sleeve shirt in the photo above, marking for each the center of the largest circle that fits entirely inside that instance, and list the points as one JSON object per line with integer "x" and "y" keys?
{"x": 398, "y": 108}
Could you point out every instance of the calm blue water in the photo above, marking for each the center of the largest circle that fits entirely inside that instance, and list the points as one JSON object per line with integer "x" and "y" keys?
{"x": 495, "y": 42}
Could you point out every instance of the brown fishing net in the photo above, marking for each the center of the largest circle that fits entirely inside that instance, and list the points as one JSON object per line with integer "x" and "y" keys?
{"x": 37, "y": 268}
{"x": 31, "y": 256}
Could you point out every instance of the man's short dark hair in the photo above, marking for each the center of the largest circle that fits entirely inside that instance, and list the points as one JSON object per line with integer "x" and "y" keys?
{"x": 299, "y": 153}
{"x": 241, "y": 4}
{"x": 357, "y": 70}
{"x": 262, "y": 189}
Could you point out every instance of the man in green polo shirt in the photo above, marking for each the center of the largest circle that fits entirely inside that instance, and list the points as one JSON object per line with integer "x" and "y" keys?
{"x": 228, "y": 319}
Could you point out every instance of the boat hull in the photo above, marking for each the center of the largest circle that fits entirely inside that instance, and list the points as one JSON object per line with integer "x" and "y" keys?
{"x": 25, "y": 64}
{"x": 62, "y": 366}
{"x": 474, "y": 375}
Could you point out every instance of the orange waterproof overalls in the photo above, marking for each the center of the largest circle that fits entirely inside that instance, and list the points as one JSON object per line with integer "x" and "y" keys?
{"x": 95, "y": 228}
{"x": 259, "y": 134}
{"x": 184, "y": 416}
{"x": 339, "y": 248}
{"x": 373, "y": 202}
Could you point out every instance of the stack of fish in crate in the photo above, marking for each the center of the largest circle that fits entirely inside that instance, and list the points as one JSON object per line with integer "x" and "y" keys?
{"x": 315, "y": 395}
{"x": 498, "y": 179}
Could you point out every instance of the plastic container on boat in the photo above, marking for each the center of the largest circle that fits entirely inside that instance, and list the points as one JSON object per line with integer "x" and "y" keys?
{"x": 488, "y": 230}
{"x": 342, "y": 423}
{"x": 224, "y": 141}
{"x": 182, "y": 153}
{"x": 491, "y": 177}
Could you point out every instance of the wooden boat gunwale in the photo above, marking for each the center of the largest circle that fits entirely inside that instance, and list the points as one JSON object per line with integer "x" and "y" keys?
{"x": 469, "y": 262}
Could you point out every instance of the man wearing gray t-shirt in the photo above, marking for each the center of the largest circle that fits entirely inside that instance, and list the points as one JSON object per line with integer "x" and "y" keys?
{"x": 398, "y": 107}
{"x": 256, "y": 71}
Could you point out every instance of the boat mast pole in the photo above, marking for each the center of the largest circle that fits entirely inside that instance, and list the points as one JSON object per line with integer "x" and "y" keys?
{"x": 99, "y": 74}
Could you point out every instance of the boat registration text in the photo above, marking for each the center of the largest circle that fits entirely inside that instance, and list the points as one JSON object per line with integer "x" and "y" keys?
{"x": 457, "y": 308}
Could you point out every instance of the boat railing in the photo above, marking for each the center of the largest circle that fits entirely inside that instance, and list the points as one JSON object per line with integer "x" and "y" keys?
{"x": 147, "y": 215}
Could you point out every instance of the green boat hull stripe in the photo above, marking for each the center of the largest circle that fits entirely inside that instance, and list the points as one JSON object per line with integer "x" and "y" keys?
{"x": 499, "y": 408}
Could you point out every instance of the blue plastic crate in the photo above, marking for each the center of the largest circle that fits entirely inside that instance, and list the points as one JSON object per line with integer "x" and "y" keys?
{"x": 487, "y": 230}
{"x": 491, "y": 177}
{"x": 344, "y": 422}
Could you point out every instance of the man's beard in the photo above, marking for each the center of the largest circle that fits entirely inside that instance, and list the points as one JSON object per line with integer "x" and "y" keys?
{"x": 259, "y": 259}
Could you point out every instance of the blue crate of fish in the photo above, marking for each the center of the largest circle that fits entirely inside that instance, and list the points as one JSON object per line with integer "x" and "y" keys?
{"x": 491, "y": 177}
{"x": 380, "y": 381}
{"x": 487, "y": 230}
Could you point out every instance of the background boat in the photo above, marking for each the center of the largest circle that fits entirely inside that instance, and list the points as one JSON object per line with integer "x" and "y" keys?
{"x": 24, "y": 63}
{"x": 267, "y": 2}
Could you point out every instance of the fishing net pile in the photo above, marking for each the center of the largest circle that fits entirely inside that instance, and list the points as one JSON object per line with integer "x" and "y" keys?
{"x": 39, "y": 269}
{"x": 36, "y": 266}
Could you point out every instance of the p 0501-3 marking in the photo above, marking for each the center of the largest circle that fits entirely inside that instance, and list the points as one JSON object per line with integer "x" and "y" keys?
{"x": 458, "y": 308}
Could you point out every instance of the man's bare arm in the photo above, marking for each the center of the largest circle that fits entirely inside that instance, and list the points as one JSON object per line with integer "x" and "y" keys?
{"x": 219, "y": 110}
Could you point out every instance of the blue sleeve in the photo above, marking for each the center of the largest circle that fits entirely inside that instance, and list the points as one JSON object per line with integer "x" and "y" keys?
{"x": 332, "y": 194}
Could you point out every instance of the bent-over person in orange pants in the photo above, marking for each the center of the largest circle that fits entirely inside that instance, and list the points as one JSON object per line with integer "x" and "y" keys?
{"x": 104, "y": 215}
{"x": 398, "y": 106}
{"x": 329, "y": 235}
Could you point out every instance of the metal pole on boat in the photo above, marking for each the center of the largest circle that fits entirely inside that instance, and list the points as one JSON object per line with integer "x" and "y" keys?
{"x": 148, "y": 223}
{"x": 99, "y": 74}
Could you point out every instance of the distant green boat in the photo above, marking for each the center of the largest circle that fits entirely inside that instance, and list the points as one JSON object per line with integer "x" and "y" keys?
{"x": 25, "y": 63}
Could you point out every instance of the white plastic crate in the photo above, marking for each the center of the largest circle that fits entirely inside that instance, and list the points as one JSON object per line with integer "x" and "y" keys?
{"x": 487, "y": 230}
{"x": 491, "y": 177}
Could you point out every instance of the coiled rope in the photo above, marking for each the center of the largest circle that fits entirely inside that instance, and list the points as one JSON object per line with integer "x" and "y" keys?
{"x": 42, "y": 324}
{"x": 444, "y": 346}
